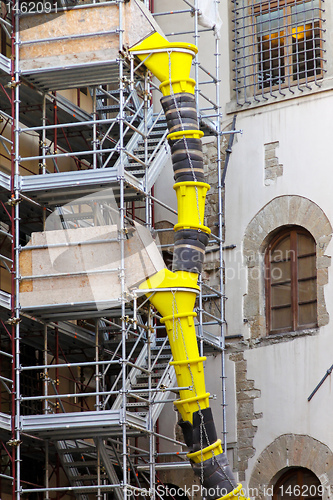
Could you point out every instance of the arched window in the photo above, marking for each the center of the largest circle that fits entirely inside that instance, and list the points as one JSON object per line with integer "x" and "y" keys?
{"x": 296, "y": 484}
{"x": 291, "y": 281}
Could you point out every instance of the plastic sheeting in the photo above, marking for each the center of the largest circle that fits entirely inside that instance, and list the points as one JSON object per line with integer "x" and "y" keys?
{"x": 209, "y": 16}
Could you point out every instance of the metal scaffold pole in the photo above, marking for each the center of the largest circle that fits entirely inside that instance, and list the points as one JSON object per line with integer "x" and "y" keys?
{"x": 150, "y": 411}
{"x": 94, "y": 140}
{"x": 99, "y": 377}
{"x": 98, "y": 407}
{"x": 196, "y": 58}
{"x": 196, "y": 63}
{"x": 46, "y": 408}
{"x": 220, "y": 236}
{"x": 16, "y": 290}
{"x": 13, "y": 275}
{"x": 122, "y": 254}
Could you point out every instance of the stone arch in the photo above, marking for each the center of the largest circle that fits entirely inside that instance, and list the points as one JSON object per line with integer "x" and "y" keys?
{"x": 291, "y": 450}
{"x": 282, "y": 211}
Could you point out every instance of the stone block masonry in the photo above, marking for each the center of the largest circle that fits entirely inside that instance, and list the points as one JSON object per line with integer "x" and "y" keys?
{"x": 292, "y": 450}
{"x": 272, "y": 168}
{"x": 246, "y": 393}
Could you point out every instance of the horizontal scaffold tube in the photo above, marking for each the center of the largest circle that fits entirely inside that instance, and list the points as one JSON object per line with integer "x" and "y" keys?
{"x": 173, "y": 294}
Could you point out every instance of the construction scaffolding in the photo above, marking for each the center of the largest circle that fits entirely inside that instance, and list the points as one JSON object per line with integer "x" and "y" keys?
{"x": 84, "y": 360}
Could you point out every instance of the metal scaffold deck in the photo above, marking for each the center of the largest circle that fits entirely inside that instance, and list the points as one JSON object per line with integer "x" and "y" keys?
{"x": 84, "y": 382}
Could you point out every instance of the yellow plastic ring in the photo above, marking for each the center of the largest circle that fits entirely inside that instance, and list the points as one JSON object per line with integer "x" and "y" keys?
{"x": 187, "y": 361}
{"x": 205, "y": 450}
{"x": 202, "y": 228}
{"x": 190, "y": 134}
{"x": 191, "y": 184}
{"x": 175, "y": 316}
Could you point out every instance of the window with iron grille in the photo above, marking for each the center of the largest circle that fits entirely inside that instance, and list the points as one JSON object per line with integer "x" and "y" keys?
{"x": 278, "y": 45}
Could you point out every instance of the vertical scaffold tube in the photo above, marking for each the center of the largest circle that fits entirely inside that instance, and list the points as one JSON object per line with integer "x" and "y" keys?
{"x": 173, "y": 293}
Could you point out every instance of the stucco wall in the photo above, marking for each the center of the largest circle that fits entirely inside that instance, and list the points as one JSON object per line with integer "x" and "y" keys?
{"x": 285, "y": 370}
{"x": 274, "y": 377}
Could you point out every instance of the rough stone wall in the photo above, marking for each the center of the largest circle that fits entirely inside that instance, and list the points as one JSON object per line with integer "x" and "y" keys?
{"x": 292, "y": 450}
{"x": 246, "y": 393}
{"x": 272, "y": 168}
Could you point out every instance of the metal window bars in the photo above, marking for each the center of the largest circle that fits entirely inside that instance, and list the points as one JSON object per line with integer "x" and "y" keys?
{"x": 278, "y": 47}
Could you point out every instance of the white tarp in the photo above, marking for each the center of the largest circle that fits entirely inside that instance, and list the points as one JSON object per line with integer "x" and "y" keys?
{"x": 209, "y": 16}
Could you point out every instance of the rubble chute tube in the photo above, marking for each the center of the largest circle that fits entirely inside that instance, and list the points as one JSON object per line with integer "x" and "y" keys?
{"x": 187, "y": 159}
{"x": 173, "y": 293}
{"x": 189, "y": 250}
{"x": 180, "y": 112}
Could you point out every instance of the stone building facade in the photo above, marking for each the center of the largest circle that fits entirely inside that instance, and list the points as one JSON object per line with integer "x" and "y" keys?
{"x": 278, "y": 180}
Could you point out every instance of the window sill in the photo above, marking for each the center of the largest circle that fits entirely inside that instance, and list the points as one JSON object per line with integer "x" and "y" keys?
{"x": 276, "y": 338}
{"x": 325, "y": 86}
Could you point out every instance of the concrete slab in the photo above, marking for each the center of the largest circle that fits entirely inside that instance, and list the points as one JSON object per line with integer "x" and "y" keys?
{"x": 69, "y": 267}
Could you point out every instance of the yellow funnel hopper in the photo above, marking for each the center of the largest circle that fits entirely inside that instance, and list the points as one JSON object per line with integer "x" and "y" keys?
{"x": 173, "y": 295}
{"x": 169, "y": 282}
{"x": 168, "y": 61}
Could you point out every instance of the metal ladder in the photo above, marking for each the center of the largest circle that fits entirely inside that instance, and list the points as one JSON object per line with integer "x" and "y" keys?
{"x": 79, "y": 461}
{"x": 163, "y": 377}
{"x": 158, "y": 152}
